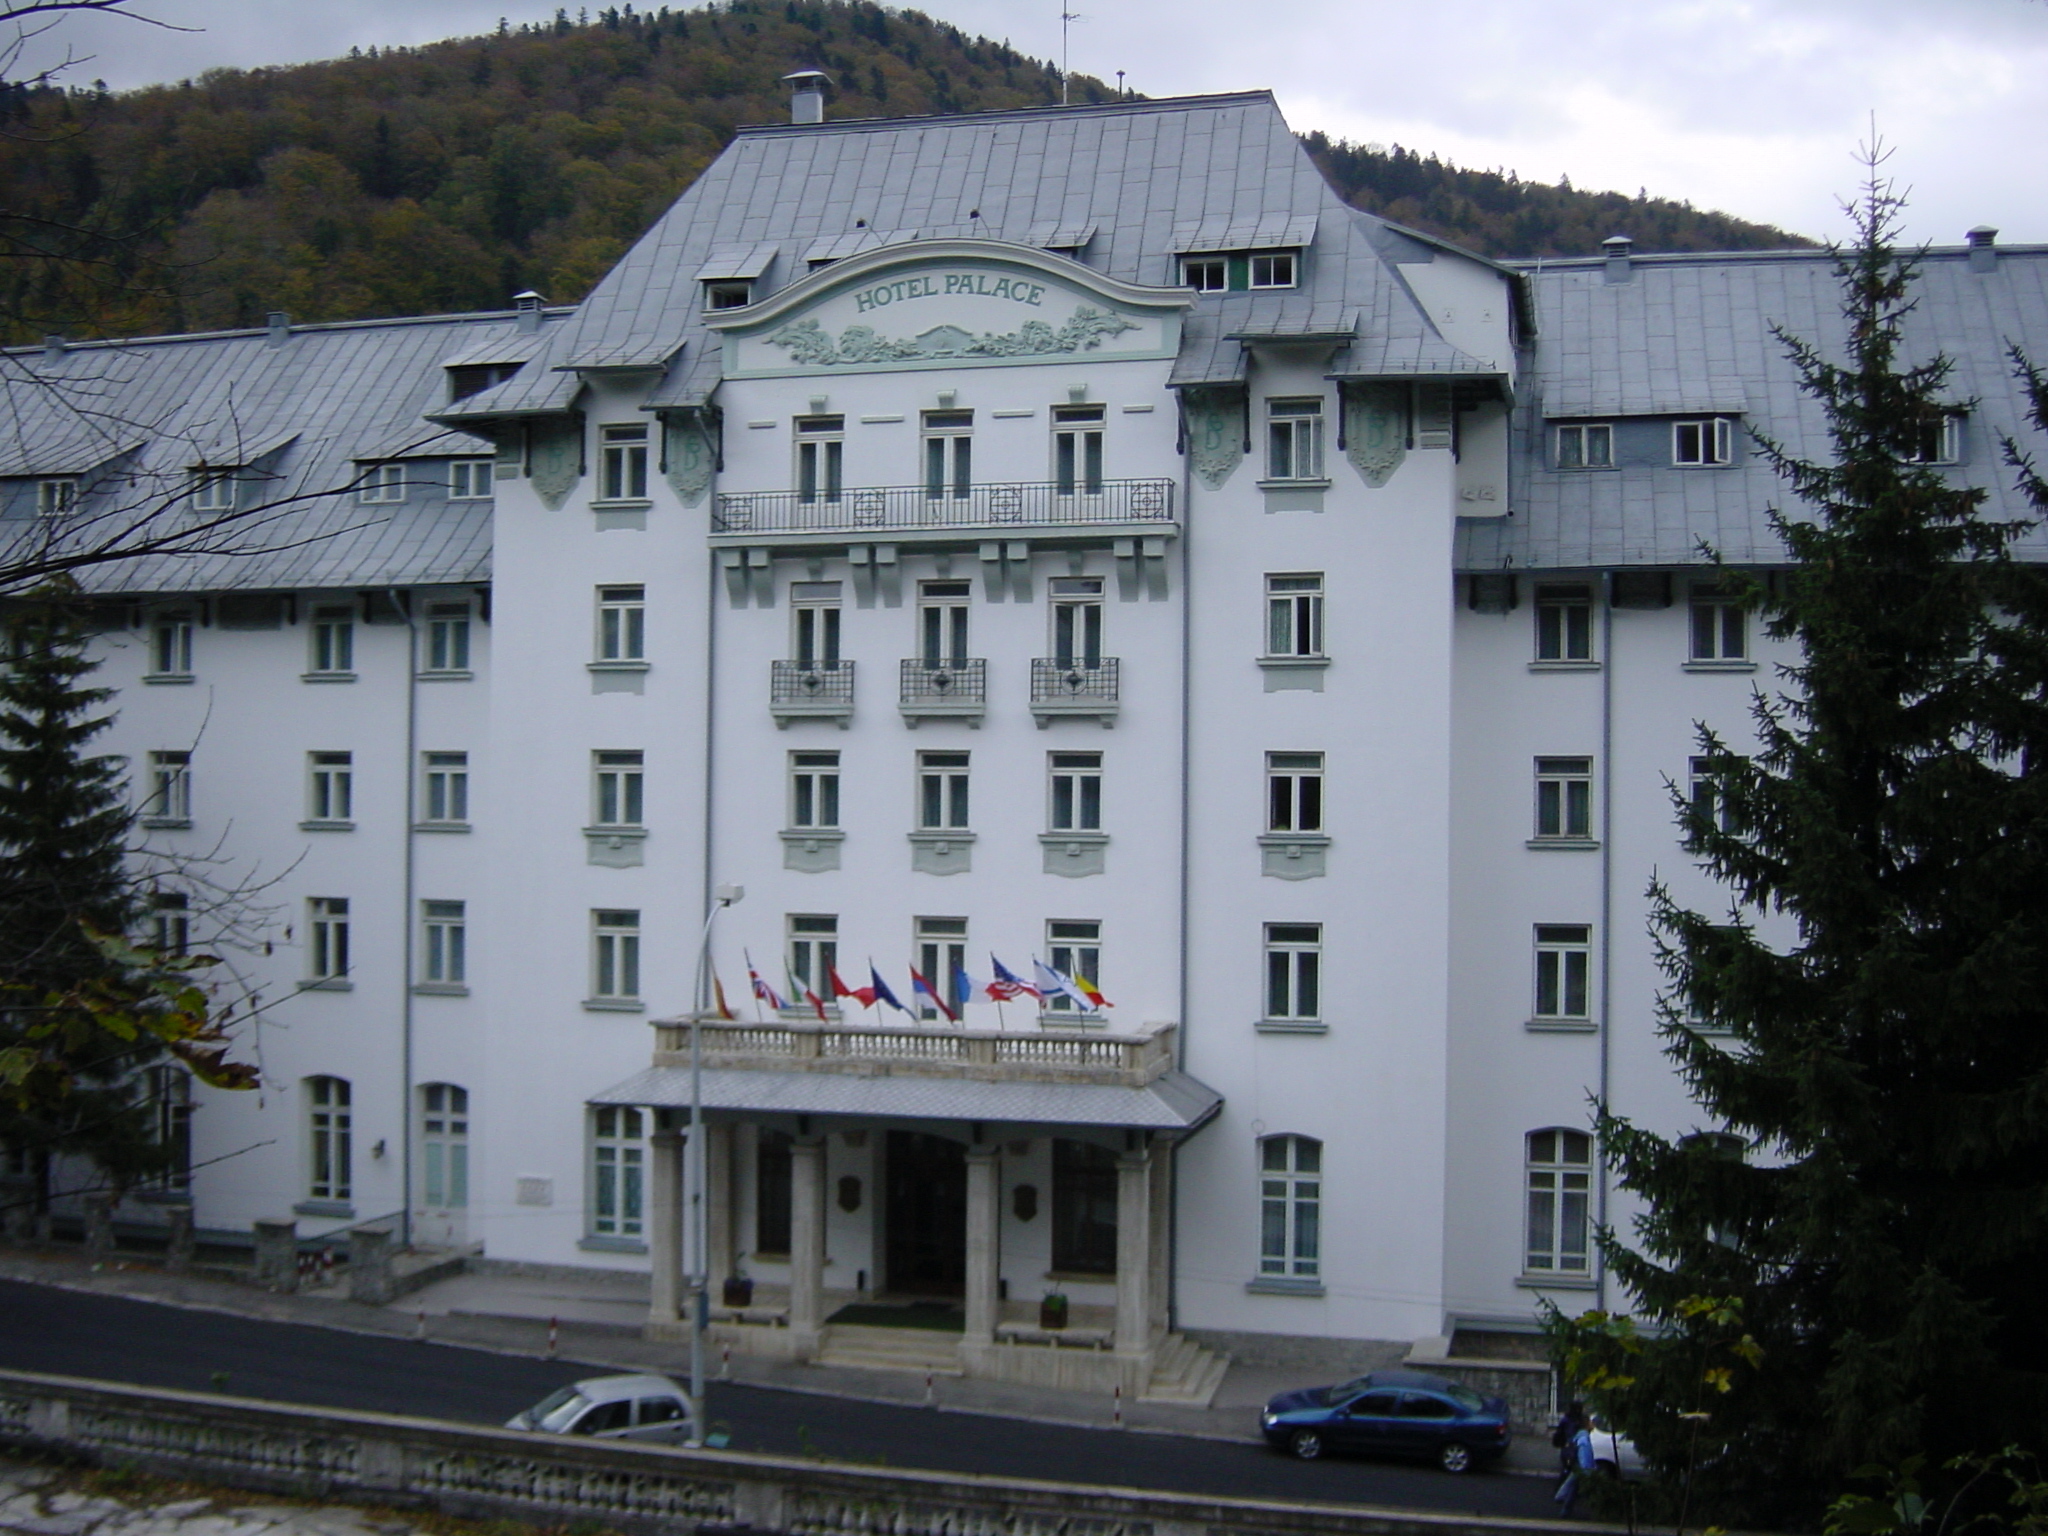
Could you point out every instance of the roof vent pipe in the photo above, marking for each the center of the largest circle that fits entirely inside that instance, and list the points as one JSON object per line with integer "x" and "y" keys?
{"x": 1617, "y": 248}
{"x": 807, "y": 95}
{"x": 528, "y": 304}
{"x": 279, "y": 327}
{"x": 53, "y": 348}
{"x": 1983, "y": 243}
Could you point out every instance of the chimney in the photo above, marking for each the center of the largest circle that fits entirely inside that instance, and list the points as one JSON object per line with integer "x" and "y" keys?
{"x": 807, "y": 95}
{"x": 280, "y": 328}
{"x": 1983, "y": 243}
{"x": 53, "y": 348}
{"x": 529, "y": 305}
{"x": 1617, "y": 248}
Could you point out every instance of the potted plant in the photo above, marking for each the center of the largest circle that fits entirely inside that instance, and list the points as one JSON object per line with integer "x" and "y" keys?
{"x": 739, "y": 1291}
{"x": 1052, "y": 1310}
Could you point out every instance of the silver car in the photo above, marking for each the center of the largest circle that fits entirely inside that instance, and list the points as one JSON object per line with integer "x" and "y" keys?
{"x": 645, "y": 1408}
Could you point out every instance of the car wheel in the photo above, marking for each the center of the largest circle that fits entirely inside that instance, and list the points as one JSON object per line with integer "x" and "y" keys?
{"x": 1307, "y": 1444}
{"x": 1455, "y": 1456}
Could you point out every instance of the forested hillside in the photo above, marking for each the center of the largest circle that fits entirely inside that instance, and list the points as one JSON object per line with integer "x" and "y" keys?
{"x": 451, "y": 176}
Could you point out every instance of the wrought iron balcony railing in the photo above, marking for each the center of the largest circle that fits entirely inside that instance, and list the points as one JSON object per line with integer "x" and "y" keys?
{"x": 1074, "y": 686}
{"x": 907, "y": 508}
{"x": 936, "y": 689}
{"x": 813, "y": 689}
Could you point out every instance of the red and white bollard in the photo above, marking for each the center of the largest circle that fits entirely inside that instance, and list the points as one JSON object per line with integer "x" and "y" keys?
{"x": 1116, "y": 1410}
{"x": 554, "y": 1337}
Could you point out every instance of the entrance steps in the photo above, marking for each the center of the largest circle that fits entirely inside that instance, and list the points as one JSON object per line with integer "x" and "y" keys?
{"x": 1185, "y": 1373}
{"x": 890, "y": 1349}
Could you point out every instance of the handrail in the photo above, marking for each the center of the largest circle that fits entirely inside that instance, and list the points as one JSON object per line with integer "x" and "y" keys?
{"x": 911, "y": 507}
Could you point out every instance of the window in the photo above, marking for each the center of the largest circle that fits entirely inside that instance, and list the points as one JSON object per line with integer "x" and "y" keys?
{"x": 1564, "y": 623}
{"x": 615, "y": 958}
{"x": 814, "y": 789}
{"x": 1294, "y": 439}
{"x": 1294, "y": 966}
{"x": 213, "y": 490}
{"x": 1076, "y": 620}
{"x": 1720, "y": 630}
{"x": 618, "y": 1171}
{"x": 1938, "y": 440}
{"x": 772, "y": 1177}
{"x": 382, "y": 483}
{"x": 621, "y": 623}
{"x": 814, "y": 609}
{"x": 1083, "y": 1208}
{"x": 1076, "y": 791}
{"x": 1294, "y": 791}
{"x": 1274, "y": 270}
{"x": 55, "y": 497}
{"x": 170, "y": 787}
{"x": 447, "y": 797}
{"x": 731, "y": 294}
{"x": 1564, "y": 797}
{"x": 1290, "y": 1208}
{"x": 444, "y": 1146}
{"x": 334, "y": 641}
{"x": 1077, "y": 953}
{"x": 328, "y": 1122}
{"x": 941, "y": 957}
{"x": 622, "y": 463}
{"x": 1205, "y": 274}
{"x": 327, "y": 917}
{"x": 170, "y": 645}
{"x": 1564, "y": 967}
{"x": 1560, "y": 1181}
{"x": 447, "y": 637}
{"x": 942, "y": 790}
{"x": 820, "y": 458}
{"x": 171, "y": 923}
{"x": 1590, "y": 446}
{"x": 170, "y": 1111}
{"x": 1077, "y": 449}
{"x": 1294, "y": 615}
{"x": 948, "y": 454}
{"x": 618, "y": 798}
{"x": 330, "y": 786}
{"x": 447, "y": 942}
{"x": 1701, "y": 442}
{"x": 475, "y": 378}
{"x": 1710, "y": 798}
{"x": 469, "y": 479}
{"x": 942, "y": 622}
{"x": 813, "y": 952}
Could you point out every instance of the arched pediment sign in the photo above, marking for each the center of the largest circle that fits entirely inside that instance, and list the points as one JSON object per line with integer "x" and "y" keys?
{"x": 949, "y": 303}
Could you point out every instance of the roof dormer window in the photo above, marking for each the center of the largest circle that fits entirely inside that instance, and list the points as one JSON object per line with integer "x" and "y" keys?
{"x": 1205, "y": 274}
{"x": 465, "y": 380}
{"x": 1241, "y": 272}
{"x": 1272, "y": 269}
{"x": 732, "y": 294}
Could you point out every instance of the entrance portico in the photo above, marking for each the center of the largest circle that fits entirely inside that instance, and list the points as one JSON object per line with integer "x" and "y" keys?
{"x": 916, "y": 1163}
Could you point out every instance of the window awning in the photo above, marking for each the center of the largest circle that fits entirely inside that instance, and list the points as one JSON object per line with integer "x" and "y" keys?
{"x": 1053, "y": 236}
{"x": 738, "y": 263}
{"x": 1263, "y": 232}
{"x": 1569, "y": 398}
{"x": 853, "y": 241}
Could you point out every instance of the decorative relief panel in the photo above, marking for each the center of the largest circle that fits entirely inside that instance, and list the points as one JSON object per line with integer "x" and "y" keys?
{"x": 807, "y": 342}
{"x": 690, "y": 457}
{"x": 1215, "y": 420}
{"x": 1376, "y": 430}
{"x": 557, "y": 459}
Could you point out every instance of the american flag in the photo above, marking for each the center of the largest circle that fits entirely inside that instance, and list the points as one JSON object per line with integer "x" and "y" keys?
{"x": 1008, "y": 985}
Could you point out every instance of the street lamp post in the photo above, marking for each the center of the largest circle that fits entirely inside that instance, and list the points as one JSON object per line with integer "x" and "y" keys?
{"x": 699, "y": 1279}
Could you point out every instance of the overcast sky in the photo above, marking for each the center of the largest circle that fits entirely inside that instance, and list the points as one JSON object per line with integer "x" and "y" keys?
{"x": 1751, "y": 106}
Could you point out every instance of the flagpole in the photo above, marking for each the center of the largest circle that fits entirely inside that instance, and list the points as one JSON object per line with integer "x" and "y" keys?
{"x": 693, "y": 1157}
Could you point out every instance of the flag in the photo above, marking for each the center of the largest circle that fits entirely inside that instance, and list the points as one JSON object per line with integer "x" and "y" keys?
{"x": 1007, "y": 985}
{"x": 761, "y": 988}
{"x": 798, "y": 987}
{"x": 865, "y": 996}
{"x": 964, "y": 988}
{"x": 724, "y": 1008}
{"x": 881, "y": 989}
{"x": 1052, "y": 984}
{"x": 1095, "y": 998}
{"x": 919, "y": 984}
{"x": 817, "y": 1005}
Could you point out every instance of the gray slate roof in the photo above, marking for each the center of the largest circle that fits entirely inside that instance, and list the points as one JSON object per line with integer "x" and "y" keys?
{"x": 1694, "y": 334}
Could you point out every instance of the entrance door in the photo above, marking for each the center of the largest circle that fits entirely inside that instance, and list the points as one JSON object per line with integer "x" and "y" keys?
{"x": 927, "y": 1215}
{"x": 444, "y": 1165}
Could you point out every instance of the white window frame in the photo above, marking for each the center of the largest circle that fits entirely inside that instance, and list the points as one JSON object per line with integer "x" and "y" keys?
{"x": 820, "y": 467}
{"x": 622, "y": 462}
{"x": 618, "y": 789}
{"x": 622, "y": 623}
{"x": 813, "y": 950}
{"x": 618, "y": 1172}
{"x": 444, "y": 951}
{"x": 1293, "y": 983}
{"x": 944, "y": 614}
{"x": 1073, "y": 791}
{"x": 445, "y": 786}
{"x": 471, "y": 479}
{"x": 942, "y": 791}
{"x": 1272, "y": 269}
{"x": 1294, "y": 792}
{"x": 1205, "y": 274}
{"x": 1079, "y": 449}
{"x": 330, "y": 786}
{"x": 946, "y": 454}
{"x": 331, "y": 638}
{"x": 1564, "y": 799}
{"x": 1294, "y": 437}
{"x": 171, "y": 922}
{"x": 444, "y": 1146}
{"x": 1075, "y": 947}
{"x": 170, "y": 788}
{"x": 1705, "y": 794}
{"x": 615, "y": 953}
{"x": 1564, "y": 973}
{"x": 941, "y": 957}
{"x": 1290, "y": 1170}
{"x": 448, "y": 637}
{"x": 381, "y": 484}
{"x": 1944, "y": 437}
{"x": 1584, "y": 445}
{"x": 1717, "y": 626}
{"x": 815, "y": 624}
{"x": 1294, "y": 615}
{"x": 727, "y": 293}
{"x": 1075, "y": 611}
{"x": 170, "y": 1110}
{"x": 327, "y": 947}
{"x": 1557, "y": 1226}
{"x": 1564, "y": 622}
{"x": 330, "y": 1135}
{"x": 56, "y": 496}
{"x": 814, "y": 790}
{"x": 1704, "y": 442}
{"x": 214, "y": 490}
{"x": 170, "y": 645}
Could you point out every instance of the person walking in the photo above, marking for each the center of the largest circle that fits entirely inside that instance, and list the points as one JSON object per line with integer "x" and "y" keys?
{"x": 1575, "y": 1457}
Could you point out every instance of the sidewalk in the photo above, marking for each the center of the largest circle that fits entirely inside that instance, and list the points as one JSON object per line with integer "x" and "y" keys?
{"x": 597, "y": 1317}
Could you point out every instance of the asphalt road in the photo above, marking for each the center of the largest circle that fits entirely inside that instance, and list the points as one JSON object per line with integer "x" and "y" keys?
{"x": 116, "y": 1339}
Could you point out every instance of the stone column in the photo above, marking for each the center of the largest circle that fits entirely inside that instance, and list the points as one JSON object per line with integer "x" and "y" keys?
{"x": 99, "y": 1225}
{"x": 807, "y": 1242}
{"x": 277, "y": 1255}
{"x": 1162, "y": 1221}
{"x": 1134, "y": 1252}
{"x": 370, "y": 1280}
{"x": 178, "y": 1249}
{"x": 718, "y": 1222}
{"x": 665, "y": 1227}
{"x": 984, "y": 1215}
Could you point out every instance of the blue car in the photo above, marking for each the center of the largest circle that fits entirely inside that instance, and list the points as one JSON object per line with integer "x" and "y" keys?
{"x": 1391, "y": 1413}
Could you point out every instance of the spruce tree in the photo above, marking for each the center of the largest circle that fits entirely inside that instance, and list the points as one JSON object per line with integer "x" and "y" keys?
{"x": 1866, "y": 1281}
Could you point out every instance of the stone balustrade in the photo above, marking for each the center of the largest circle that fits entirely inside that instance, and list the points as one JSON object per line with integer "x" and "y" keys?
{"x": 1041, "y": 1056}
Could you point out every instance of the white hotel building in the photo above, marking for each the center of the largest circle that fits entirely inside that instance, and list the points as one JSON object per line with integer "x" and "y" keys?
{"x": 1069, "y": 535}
